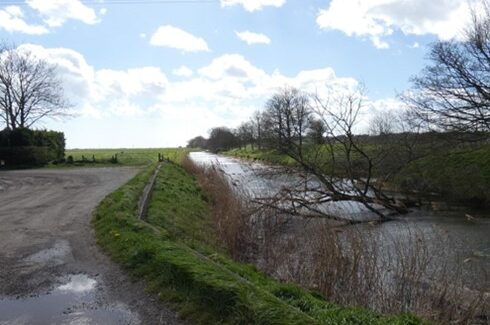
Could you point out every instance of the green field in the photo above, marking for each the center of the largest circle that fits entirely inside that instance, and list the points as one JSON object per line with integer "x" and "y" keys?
{"x": 125, "y": 157}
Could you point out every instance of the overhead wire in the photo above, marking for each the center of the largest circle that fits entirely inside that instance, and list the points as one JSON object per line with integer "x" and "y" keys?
{"x": 118, "y": 2}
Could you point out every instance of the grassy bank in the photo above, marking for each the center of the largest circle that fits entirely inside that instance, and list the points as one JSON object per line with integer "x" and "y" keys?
{"x": 266, "y": 155}
{"x": 177, "y": 252}
{"x": 458, "y": 175}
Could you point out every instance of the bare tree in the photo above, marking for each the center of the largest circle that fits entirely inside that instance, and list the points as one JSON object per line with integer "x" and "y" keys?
{"x": 340, "y": 169}
{"x": 382, "y": 123}
{"x": 287, "y": 117}
{"x": 245, "y": 134}
{"x": 410, "y": 128}
{"x": 316, "y": 131}
{"x": 453, "y": 93}
{"x": 29, "y": 89}
{"x": 394, "y": 142}
{"x": 258, "y": 127}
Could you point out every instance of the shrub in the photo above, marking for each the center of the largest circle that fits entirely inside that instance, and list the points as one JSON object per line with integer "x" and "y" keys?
{"x": 31, "y": 147}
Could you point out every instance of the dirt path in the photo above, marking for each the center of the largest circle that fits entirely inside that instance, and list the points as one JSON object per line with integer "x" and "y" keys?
{"x": 51, "y": 271}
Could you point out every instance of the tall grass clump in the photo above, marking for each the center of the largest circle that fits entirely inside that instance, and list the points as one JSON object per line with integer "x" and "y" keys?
{"x": 230, "y": 213}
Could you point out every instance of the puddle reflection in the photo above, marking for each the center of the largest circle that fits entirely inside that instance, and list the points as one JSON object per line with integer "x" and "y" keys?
{"x": 73, "y": 302}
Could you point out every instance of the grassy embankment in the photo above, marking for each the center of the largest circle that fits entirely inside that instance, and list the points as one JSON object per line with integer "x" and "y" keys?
{"x": 457, "y": 175}
{"x": 460, "y": 175}
{"x": 177, "y": 252}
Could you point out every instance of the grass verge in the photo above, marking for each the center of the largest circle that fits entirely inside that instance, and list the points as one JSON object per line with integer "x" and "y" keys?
{"x": 178, "y": 254}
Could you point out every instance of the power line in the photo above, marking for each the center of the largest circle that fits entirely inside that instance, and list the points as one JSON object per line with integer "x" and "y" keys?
{"x": 119, "y": 2}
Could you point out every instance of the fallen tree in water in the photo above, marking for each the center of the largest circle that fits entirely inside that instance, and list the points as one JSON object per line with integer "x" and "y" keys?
{"x": 338, "y": 167}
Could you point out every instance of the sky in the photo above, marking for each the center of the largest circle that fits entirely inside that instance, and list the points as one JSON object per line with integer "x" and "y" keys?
{"x": 155, "y": 73}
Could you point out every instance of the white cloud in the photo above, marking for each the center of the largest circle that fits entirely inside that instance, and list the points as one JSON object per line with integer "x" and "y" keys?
{"x": 126, "y": 108}
{"x": 386, "y": 106}
{"x": 78, "y": 76}
{"x": 170, "y": 36}
{"x": 104, "y": 92}
{"x": 379, "y": 44}
{"x": 228, "y": 85}
{"x": 253, "y": 38}
{"x": 56, "y": 12}
{"x": 12, "y": 20}
{"x": 183, "y": 71}
{"x": 14, "y": 11}
{"x": 377, "y": 19}
{"x": 233, "y": 66}
{"x": 415, "y": 45}
{"x": 253, "y": 5}
{"x": 132, "y": 82}
{"x": 226, "y": 91}
{"x": 89, "y": 111}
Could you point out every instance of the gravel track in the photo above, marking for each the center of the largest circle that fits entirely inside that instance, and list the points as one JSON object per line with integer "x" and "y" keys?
{"x": 51, "y": 271}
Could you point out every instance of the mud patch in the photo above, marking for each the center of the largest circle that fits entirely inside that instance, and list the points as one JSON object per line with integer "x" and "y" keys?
{"x": 73, "y": 302}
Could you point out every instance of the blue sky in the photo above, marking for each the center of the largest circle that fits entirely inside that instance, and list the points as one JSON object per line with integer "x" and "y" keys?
{"x": 155, "y": 73}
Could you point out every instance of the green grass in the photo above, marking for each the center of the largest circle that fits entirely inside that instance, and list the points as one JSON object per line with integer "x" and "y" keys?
{"x": 180, "y": 207}
{"x": 125, "y": 157}
{"x": 320, "y": 155}
{"x": 461, "y": 175}
{"x": 178, "y": 254}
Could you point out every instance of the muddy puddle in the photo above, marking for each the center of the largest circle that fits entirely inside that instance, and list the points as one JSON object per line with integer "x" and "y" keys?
{"x": 74, "y": 301}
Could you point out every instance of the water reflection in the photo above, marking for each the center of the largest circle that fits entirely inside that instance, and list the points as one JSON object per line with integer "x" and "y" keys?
{"x": 73, "y": 302}
{"x": 78, "y": 283}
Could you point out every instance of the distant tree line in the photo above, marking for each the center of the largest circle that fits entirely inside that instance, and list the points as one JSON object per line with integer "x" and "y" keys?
{"x": 287, "y": 119}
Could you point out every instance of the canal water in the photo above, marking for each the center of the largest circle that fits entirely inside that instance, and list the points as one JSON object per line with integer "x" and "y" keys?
{"x": 452, "y": 241}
